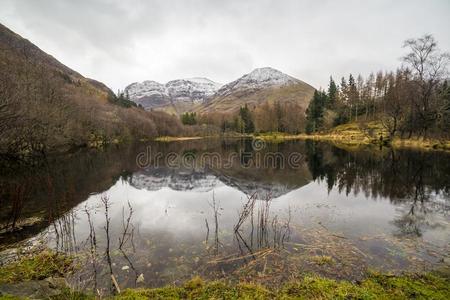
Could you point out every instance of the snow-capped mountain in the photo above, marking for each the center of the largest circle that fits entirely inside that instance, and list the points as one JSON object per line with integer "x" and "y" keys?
{"x": 257, "y": 87}
{"x": 258, "y": 79}
{"x": 204, "y": 95}
{"x": 156, "y": 179}
{"x": 153, "y": 179}
{"x": 189, "y": 91}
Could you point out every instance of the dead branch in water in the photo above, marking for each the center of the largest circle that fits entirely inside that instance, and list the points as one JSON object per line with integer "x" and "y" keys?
{"x": 215, "y": 206}
{"x": 93, "y": 245}
{"x": 106, "y": 204}
{"x": 246, "y": 211}
{"x": 126, "y": 226}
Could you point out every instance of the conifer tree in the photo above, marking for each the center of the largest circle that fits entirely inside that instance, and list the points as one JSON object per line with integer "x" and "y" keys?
{"x": 332, "y": 93}
{"x": 247, "y": 119}
{"x": 315, "y": 111}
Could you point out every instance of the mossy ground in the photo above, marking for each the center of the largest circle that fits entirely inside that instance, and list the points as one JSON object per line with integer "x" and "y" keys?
{"x": 375, "y": 286}
{"x": 36, "y": 267}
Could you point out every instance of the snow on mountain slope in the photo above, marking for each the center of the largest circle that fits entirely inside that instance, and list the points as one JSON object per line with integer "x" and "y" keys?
{"x": 151, "y": 94}
{"x": 259, "y": 86}
{"x": 257, "y": 79}
{"x": 153, "y": 179}
{"x": 138, "y": 90}
{"x": 203, "y": 95}
{"x": 196, "y": 89}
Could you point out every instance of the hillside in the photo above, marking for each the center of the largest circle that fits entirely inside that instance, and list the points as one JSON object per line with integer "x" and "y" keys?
{"x": 46, "y": 106}
{"x": 259, "y": 86}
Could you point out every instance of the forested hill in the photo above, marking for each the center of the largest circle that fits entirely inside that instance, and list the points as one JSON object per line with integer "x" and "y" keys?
{"x": 46, "y": 106}
{"x": 413, "y": 101}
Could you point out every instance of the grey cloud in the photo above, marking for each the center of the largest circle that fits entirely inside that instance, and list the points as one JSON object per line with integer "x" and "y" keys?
{"x": 119, "y": 42}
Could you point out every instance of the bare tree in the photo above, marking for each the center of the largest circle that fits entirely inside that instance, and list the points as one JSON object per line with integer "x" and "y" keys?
{"x": 429, "y": 67}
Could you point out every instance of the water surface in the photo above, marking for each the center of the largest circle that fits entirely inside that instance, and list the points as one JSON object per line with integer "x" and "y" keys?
{"x": 161, "y": 213}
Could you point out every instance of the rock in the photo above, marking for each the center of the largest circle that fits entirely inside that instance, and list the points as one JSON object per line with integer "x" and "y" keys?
{"x": 125, "y": 268}
{"x": 140, "y": 279}
{"x": 34, "y": 289}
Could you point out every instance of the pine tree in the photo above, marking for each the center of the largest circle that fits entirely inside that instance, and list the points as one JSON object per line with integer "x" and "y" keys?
{"x": 315, "y": 111}
{"x": 189, "y": 118}
{"x": 332, "y": 94}
{"x": 247, "y": 119}
{"x": 352, "y": 95}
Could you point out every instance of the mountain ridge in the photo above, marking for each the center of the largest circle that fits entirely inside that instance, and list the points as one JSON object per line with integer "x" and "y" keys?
{"x": 261, "y": 82}
{"x": 176, "y": 94}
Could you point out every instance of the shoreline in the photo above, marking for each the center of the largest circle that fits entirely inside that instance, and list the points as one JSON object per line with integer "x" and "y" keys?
{"x": 43, "y": 273}
{"x": 397, "y": 143}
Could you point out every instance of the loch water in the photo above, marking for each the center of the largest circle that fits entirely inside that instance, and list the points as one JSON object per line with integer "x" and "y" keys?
{"x": 160, "y": 213}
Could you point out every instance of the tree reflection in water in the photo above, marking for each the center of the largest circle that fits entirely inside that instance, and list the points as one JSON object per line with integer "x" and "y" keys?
{"x": 247, "y": 237}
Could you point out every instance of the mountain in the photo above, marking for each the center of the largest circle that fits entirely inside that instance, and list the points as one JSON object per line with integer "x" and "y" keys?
{"x": 258, "y": 79}
{"x": 260, "y": 85}
{"x": 46, "y": 106}
{"x": 204, "y": 95}
{"x": 175, "y": 96}
{"x": 153, "y": 179}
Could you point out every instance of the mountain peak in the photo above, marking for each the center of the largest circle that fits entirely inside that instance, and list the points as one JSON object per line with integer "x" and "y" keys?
{"x": 259, "y": 78}
{"x": 270, "y": 74}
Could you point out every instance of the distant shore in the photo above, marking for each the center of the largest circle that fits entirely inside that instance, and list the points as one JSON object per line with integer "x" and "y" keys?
{"x": 413, "y": 143}
{"x": 336, "y": 138}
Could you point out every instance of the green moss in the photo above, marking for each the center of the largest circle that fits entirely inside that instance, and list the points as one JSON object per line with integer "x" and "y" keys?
{"x": 376, "y": 286}
{"x": 8, "y": 297}
{"x": 68, "y": 294}
{"x": 198, "y": 289}
{"x": 36, "y": 267}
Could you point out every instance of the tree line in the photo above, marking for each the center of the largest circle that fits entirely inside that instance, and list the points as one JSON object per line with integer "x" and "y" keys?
{"x": 412, "y": 101}
{"x": 287, "y": 117}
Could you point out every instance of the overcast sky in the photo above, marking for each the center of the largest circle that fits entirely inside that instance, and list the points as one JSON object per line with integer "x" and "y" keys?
{"x": 119, "y": 42}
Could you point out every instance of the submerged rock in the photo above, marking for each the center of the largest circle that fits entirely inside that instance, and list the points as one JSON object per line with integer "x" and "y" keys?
{"x": 35, "y": 289}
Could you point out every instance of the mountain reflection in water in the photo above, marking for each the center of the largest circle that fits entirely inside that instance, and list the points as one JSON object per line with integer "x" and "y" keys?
{"x": 337, "y": 213}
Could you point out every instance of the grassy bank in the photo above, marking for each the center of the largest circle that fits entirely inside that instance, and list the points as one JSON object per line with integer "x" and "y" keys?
{"x": 187, "y": 138}
{"x": 355, "y": 134}
{"x": 352, "y": 135}
{"x": 375, "y": 286}
{"x": 175, "y": 138}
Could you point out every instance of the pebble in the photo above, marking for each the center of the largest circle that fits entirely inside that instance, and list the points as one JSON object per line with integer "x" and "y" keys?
{"x": 140, "y": 279}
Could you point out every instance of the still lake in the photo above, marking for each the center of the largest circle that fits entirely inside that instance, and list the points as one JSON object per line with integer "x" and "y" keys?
{"x": 160, "y": 213}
